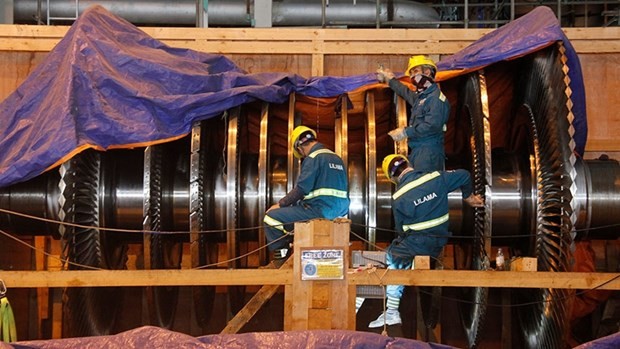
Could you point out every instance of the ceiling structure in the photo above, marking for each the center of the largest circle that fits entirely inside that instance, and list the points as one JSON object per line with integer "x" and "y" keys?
{"x": 317, "y": 13}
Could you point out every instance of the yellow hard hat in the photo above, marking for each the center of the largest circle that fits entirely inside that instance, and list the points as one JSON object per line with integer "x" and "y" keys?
{"x": 415, "y": 61}
{"x": 391, "y": 163}
{"x": 300, "y": 135}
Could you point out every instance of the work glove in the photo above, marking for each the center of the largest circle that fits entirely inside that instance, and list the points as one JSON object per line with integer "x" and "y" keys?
{"x": 384, "y": 75}
{"x": 398, "y": 134}
{"x": 474, "y": 200}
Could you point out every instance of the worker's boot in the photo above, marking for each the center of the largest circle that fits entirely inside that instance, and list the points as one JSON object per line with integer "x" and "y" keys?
{"x": 388, "y": 317}
{"x": 281, "y": 253}
{"x": 279, "y": 257}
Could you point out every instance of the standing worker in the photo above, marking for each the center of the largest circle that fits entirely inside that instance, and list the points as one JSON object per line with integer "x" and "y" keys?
{"x": 321, "y": 191}
{"x": 430, "y": 111}
{"x": 420, "y": 208}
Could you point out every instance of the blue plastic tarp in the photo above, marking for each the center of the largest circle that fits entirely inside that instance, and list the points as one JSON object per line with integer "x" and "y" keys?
{"x": 154, "y": 337}
{"x": 109, "y": 85}
{"x": 532, "y": 32}
{"x": 608, "y": 342}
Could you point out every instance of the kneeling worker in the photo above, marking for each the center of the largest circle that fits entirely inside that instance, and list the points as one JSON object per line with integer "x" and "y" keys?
{"x": 321, "y": 191}
{"x": 420, "y": 208}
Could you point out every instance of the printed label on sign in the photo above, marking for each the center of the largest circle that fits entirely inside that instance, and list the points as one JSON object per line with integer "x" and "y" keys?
{"x": 322, "y": 264}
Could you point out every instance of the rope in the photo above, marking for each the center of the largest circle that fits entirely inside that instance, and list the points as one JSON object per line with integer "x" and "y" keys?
{"x": 67, "y": 262}
{"x": 215, "y": 231}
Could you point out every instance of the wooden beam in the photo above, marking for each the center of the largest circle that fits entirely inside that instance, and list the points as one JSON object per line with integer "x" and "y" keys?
{"x": 155, "y": 277}
{"x": 42, "y": 300}
{"x": 253, "y": 305}
{"x": 308, "y": 41}
{"x": 603, "y": 145}
{"x": 320, "y": 303}
{"x": 470, "y": 278}
{"x": 236, "y": 277}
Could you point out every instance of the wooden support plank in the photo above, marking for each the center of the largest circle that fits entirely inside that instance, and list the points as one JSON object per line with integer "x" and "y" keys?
{"x": 603, "y": 145}
{"x": 43, "y": 294}
{"x": 157, "y": 277}
{"x": 57, "y": 313}
{"x": 236, "y": 277}
{"x": 473, "y": 278}
{"x": 296, "y": 316}
{"x": 298, "y": 47}
{"x": 55, "y": 266}
{"x": 298, "y": 34}
{"x": 318, "y": 64}
{"x": 303, "y": 40}
{"x": 253, "y": 305}
{"x": 320, "y": 303}
{"x": 593, "y": 33}
{"x": 294, "y": 34}
{"x": 288, "y": 305}
{"x": 524, "y": 264}
{"x": 422, "y": 262}
{"x": 28, "y": 44}
{"x": 343, "y": 294}
{"x": 33, "y": 31}
{"x": 598, "y": 46}
{"x": 318, "y": 317}
{"x": 320, "y": 295}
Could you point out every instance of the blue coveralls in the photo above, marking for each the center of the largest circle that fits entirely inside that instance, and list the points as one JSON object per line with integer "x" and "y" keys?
{"x": 430, "y": 111}
{"x": 323, "y": 180}
{"x": 420, "y": 208}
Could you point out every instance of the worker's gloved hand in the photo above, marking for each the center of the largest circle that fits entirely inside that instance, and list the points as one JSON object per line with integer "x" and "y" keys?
{"x": 273, "y": 207}
{"x": 474, "y": 200}
{"x": 398, "y": 134}
{"x": 384, "y": 75}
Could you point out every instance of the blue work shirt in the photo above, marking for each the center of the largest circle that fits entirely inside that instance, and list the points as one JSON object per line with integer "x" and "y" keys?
{"x": 420, "y": 202}
{"x": 323, "y": 180}
{"x": 430, "y": 111}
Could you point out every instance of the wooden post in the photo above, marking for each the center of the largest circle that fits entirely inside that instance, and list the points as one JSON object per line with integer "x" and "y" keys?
{"x": 318, "y": 303}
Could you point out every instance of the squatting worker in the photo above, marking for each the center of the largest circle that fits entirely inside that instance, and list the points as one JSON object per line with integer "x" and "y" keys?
{"x": 430, "y": 111}
{"x": 321, "y": 191}
{"x": 420, "y": 208}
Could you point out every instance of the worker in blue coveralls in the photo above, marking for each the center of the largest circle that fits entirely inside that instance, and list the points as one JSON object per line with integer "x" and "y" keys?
{"x": 430, "y": 111}
{"x": 321, "y": 191}
{"x": 420, "y": 208}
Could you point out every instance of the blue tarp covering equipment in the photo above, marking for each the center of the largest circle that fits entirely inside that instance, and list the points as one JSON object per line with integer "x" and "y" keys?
{"x": 109, "y": 85}
{"x": 154, "y": 337}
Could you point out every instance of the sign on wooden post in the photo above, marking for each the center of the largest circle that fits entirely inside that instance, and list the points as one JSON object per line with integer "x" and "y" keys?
{"x": 319, "y": 296}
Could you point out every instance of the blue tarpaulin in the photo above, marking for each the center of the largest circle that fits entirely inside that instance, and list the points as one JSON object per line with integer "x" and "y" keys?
{"x": 154, "y": 337}
{"x": 532, "y": 32}
{"x": 109, "y": 85}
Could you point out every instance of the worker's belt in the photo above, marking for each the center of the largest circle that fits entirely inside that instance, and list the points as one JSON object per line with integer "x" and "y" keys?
{"x": 428, "y": 224}
{"x": 415, "y": 183}
{"x": 326, "y": 192}
{"x": 320, "y": 151}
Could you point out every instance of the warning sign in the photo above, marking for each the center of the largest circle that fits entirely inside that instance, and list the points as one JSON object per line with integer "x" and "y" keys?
{"x": 322, "y": 264}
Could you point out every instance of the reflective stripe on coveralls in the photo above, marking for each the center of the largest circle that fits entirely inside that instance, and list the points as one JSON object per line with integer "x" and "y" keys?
{"x": 413, "y": 184}
{"x": 274, "y": 223}
{"x": 427, "y": 177}
{"x": 325, "y": 191}
{"x": 320, "y": 151}
{"x": 428, "y": 224}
